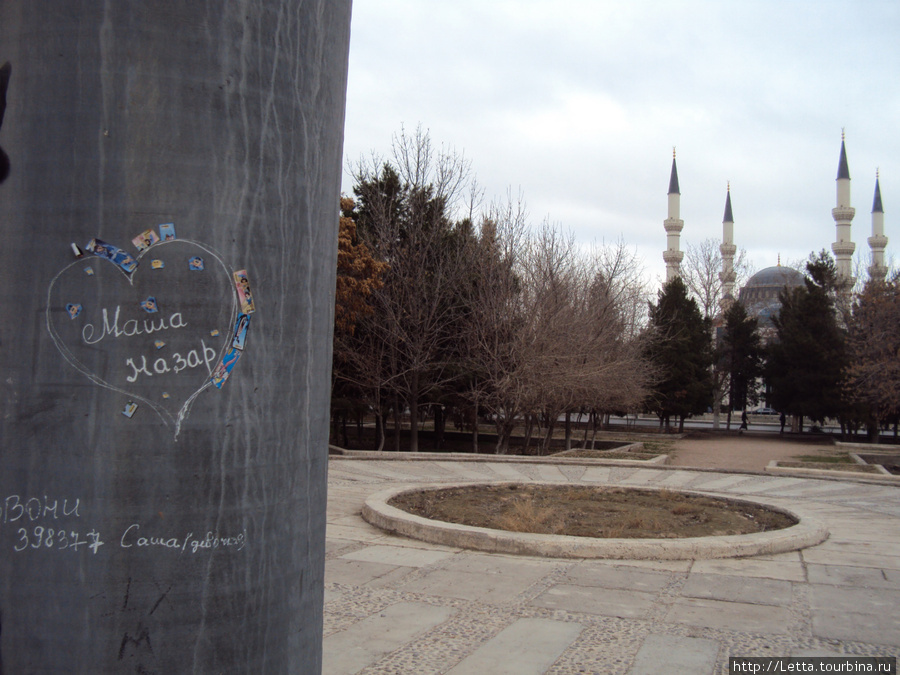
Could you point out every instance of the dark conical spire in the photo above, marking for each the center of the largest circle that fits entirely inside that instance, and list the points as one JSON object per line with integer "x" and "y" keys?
{"x": 876, "y": 203}
{"x": 673, "y": 180}
{"x": 728, "y": 218}
{"x": 843, "y": 168}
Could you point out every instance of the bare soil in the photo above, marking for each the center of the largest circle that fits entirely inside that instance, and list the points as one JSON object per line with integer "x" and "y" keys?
{"x": 591, "y": 512}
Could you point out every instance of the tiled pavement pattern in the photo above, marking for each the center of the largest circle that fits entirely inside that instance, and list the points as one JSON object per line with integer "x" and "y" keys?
{"x": 395, "y": 605}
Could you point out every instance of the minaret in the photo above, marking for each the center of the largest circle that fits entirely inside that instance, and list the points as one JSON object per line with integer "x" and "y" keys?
{"x": 727, "y": 249}
{"x": 877, "y": 242}
{"x": 673, "y": 224}
{"x": 843, "y": 214}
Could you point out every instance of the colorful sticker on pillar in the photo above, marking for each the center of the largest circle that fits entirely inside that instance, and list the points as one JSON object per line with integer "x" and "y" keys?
{"x": 242, "y": 283}
{"x": 113, "y": 254}
{"x": 77, "y": 252}
{"x": 167, "y": 231}
{"x": 214, "y": 332}
{"x": 149, "y": 305}
{"x": 196, "y": 263}
{"x": 157, "y": 264}
{"x": 89, "y": 271}
{"x": 130, "y": 409}
{"x": 145, "y": 240}
{"x": 73, "y": 309}
{"x": 240, "y": 331}
{"x": 159, "y": 344}
{"x": 223, "y": 370}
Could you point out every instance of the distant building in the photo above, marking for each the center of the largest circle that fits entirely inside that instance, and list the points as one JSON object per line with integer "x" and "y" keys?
{"x": 760, "y": 293}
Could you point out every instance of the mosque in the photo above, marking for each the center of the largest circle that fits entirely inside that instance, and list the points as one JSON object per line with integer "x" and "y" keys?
{"x": 760, "y": 294}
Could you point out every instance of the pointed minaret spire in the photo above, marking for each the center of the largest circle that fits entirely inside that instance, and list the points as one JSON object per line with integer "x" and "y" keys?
{"x": 877, "y": 242}
{"x": 843, "y": 213}
{"x": 727, "y": 249}
{"x": 673, "y": 226}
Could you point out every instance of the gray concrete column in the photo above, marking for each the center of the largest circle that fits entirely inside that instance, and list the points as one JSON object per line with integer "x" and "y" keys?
{"x": 163, "y": 448}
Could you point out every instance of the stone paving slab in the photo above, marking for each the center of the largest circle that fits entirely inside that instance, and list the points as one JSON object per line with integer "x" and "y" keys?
{"x": 735, "y": 616}
{"x": 494, "y": 580}
{"x": 607, "y": 576}
{"x": 881, "y": 629}
{"x": 398, "y": 555}
{"x": 860, "y": 577}
{"x": 527, "y": 647}
{"x": 351, "y": 650}
{"x": 669, "y": 654}
{"x": 597, "y": 600}
{"x": 738, "y": 589}
{"x": 356, "y": 572}
{"x": 751, "y": 567}
{"x": 395, "y": 605}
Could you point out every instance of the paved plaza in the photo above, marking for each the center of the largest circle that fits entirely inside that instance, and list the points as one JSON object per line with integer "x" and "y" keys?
{"x": 396, "y": 605}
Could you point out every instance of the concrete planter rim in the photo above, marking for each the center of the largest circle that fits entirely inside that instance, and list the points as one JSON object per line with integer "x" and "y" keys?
{"x": 808, "y": 531}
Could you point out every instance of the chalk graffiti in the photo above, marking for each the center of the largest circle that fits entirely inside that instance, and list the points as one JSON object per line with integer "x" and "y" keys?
{"x": 187, "y": 309}
{"x": 132, "y": 538}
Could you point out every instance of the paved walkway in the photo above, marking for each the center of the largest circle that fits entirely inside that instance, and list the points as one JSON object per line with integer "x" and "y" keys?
{"x": 394, "y": 605}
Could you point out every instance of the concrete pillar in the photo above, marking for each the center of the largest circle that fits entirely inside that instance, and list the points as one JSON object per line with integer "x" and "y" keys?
{"x": 152, "y": 521}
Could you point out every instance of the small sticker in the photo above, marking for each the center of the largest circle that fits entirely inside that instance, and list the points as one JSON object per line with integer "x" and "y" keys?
{"x": 89, "y": 271}
{"x": 73, "y": 309}
{"x": 149, "y": 305}
{"x": 77, "y": 252}
{"x": 145, "y": 240}
{"x": 196, "y": 263}
{"x": 240, "y": 331}
{"x": 157, "y": 264}
{"x": 223, "y": 370}
{"x": 165, "y": 394}
{"x": 214, "y": 332}
{"x": 167, "y": 231}
{"x": 130, "y": 409}
{"x": 159, "y": 344}
{"x": 112, "y": 253}
{"x": 242, "y": 283}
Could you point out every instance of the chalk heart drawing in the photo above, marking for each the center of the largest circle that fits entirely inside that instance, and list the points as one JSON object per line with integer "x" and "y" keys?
{"x": 160, "y": 360}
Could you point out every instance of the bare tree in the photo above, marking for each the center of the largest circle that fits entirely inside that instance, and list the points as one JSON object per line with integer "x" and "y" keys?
{"x": 700, "y": 272}
{"x": 405, "y": 214}
{"x": 555, "y": 330}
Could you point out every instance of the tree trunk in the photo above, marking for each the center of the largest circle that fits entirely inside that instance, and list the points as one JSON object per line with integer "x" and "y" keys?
{"x": 225, "y": 122}
{"x": 397, "y": 423}
{"x": 529, "y": 427}
{"x": 414, "y": 413}
{"x": 438, "y": 426}
{"x": 475, "y": 428}
{"x": 568, "y": 430}
{"x": 380, "y": 420}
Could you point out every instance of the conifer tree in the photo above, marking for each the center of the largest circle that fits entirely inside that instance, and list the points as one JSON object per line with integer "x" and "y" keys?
{"x": 805, "y": 364}
{"x": 681, "y": 349}
{"x": 740, "y": 356}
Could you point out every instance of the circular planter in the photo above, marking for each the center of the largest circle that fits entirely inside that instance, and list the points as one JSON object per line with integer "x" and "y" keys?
{"x": 806, "y": 532}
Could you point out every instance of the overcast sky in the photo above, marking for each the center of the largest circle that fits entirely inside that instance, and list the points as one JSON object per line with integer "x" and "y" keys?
{"x": 578, "y": 104}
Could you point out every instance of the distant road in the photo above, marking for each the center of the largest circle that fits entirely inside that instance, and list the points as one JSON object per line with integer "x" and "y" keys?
{"x": 705, "y": 422}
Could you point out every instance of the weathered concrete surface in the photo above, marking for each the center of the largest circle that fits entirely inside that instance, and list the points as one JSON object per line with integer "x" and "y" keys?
{"x": 625, "y": 616}
{"x": 226, "y": 120}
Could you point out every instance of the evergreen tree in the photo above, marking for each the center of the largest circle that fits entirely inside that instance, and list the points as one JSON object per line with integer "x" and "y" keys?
{"x": 805, "y": 363}
{"x": 740, "y": 357}
{"x": 681, "y": 349}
